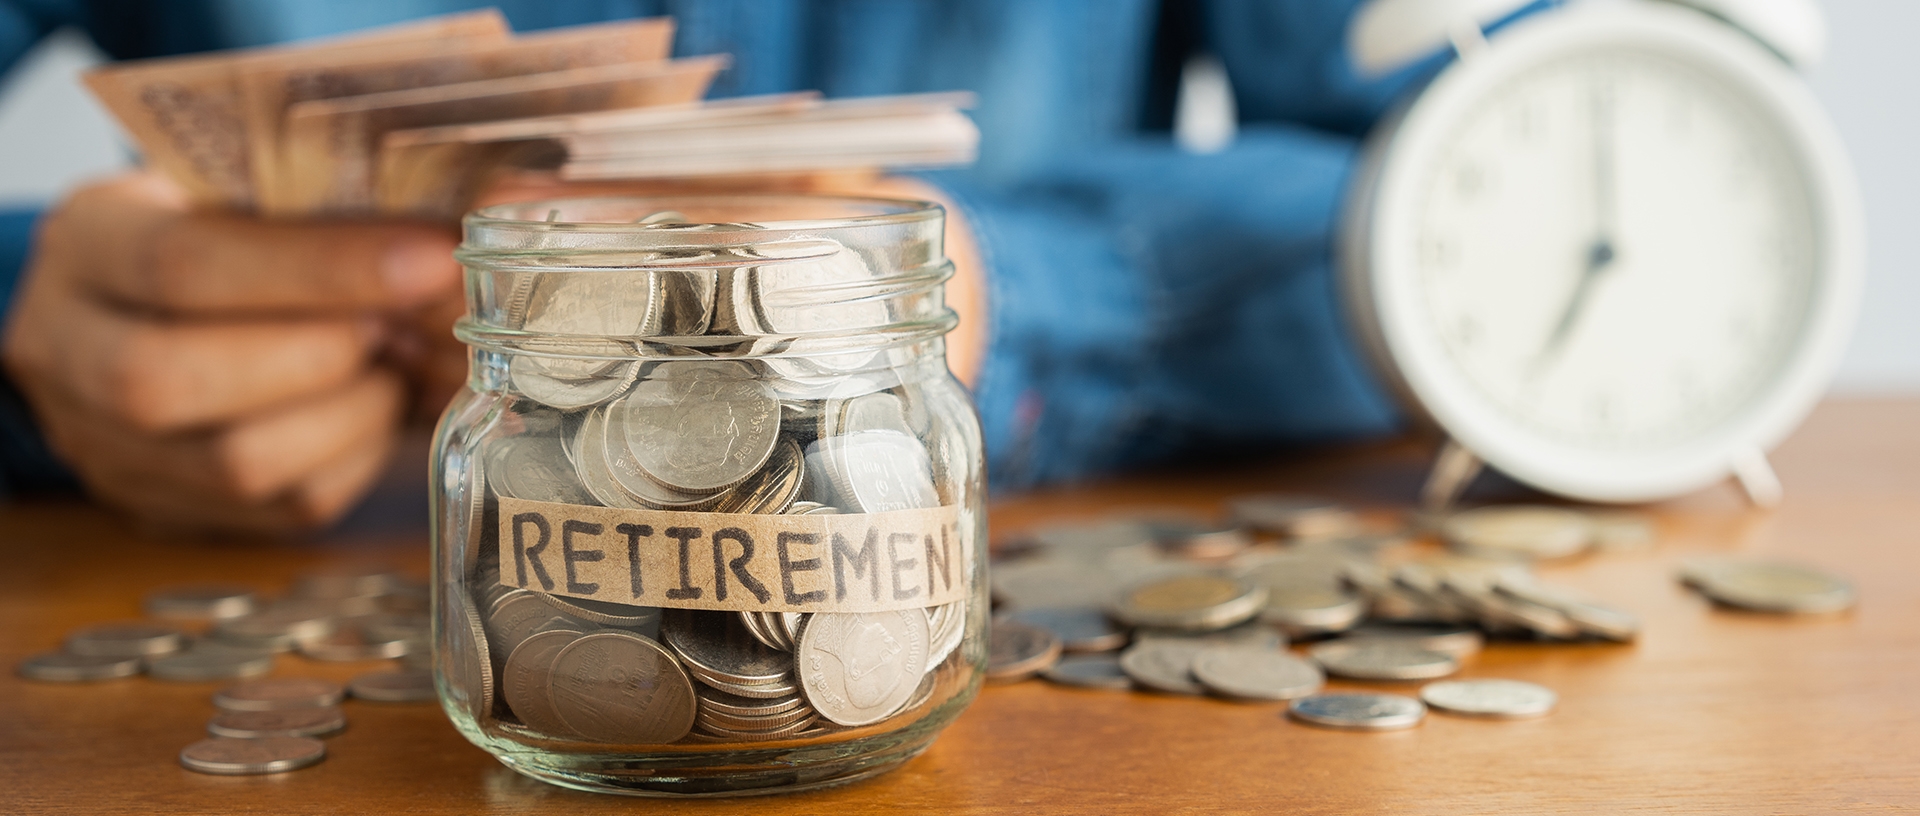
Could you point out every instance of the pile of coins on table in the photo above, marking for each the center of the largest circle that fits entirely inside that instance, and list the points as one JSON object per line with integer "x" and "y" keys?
{"x": 209, "y": 632}
{"x": 831, "y": 433}
{"x": 1185, "y": 607}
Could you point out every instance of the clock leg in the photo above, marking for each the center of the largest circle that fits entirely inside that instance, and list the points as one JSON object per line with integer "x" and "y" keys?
{"x": 1756, "y": 477}
{"x": 1453, "y": 470}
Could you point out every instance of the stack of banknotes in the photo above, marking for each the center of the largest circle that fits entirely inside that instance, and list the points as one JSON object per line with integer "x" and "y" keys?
{"x": 416, "y": 119}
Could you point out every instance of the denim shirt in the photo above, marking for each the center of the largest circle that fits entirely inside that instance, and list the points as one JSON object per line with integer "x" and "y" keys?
{"x": 1145, "y": 303}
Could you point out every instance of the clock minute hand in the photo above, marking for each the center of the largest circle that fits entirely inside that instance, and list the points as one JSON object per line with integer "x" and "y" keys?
{"x": 1600, "y": 253}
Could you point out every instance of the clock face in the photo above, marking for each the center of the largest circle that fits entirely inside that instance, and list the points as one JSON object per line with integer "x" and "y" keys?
{"x": 1616, "y": 249}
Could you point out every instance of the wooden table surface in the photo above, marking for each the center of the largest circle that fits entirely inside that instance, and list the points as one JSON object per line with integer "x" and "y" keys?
{"x": 1711, "y": 711}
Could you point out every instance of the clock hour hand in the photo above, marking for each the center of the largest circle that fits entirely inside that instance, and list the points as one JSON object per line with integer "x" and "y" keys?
{"x": 1599, "y": 258}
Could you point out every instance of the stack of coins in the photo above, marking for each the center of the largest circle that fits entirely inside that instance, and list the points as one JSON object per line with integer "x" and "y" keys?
{"x": 825, "y": 433}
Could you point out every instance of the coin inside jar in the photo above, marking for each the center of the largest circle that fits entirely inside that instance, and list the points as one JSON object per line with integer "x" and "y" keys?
{"x": 618, "y": 687}
{"x": 697, "y": 426}
{"x": 859, "y": 668}
{"x": 527, "y": 682}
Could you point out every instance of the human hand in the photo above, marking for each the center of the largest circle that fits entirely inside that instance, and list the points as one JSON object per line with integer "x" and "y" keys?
{"x": 217, "y": 370}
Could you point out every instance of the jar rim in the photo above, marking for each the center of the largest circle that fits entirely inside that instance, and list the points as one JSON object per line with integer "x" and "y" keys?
{"x": 883, "y": 211}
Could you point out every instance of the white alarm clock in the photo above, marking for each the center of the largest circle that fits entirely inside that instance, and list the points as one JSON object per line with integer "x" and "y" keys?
{"x": 1613, "y": 250}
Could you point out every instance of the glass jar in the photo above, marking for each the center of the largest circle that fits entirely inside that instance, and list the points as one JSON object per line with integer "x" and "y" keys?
{"x": 708, "y": 514}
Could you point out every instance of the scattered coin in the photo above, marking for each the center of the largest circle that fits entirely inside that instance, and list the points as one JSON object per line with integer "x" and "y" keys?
{"x": 1459, "y": 641}
{"x": 1253, "y": 673}
{"x": 297, "y": 722}
{"x": 280, "y": 693}
{"x": 235, "y": 757}
{"x": 1287, "y": 515}
{"x": 1017, "y": 651}
{"x": 200, "y": 601}
{"x": 66, "y": 667}
{"x": 129, "y": 639}
{"x": 1164, "y": 665}
{"x": 1502, "y": 699}
{"x": 353, "y": 643}
{"x": 199, "y": 665}
{"x": 394, "y": 687}
{"x": 1382, "y": 660}
{"x": 1196, "y": 602}
{"x": 1774, "y": 586}
{"x": 1079, "y": 629}
{"x": 1089, "y": 671}
{"x": 1360, "y": 712}
{"x": 1521, "y": 530}
{"x": 281, "y": 626}
{"x": 1251, "y": 633}
{"x": 1591, "y": 617}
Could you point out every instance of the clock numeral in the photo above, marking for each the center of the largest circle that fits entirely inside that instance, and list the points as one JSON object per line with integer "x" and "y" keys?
{"x": 1437, "y": 253}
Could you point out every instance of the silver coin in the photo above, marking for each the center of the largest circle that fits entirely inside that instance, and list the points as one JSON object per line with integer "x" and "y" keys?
{"x": 280, "y": 693}
{"x": 472, "y": 657}
{"x": 1089, "y": 671}
{"x": 605, "y": 613}
{"x": 527, "y": 682}
{"x": 1252, "y": 633}
{"x": 1252, "y": 673}
{"x": 715, "y": 719}
{"x": 534, "y": 469}
{"x": 737, "y": 705}
{"x": 618, "y": 687}
{"x": 404, "y": 686}
{"x": 299, "y": 722}
{"x": 1304, "y": 609}
{"x": 595, "y": 472}
{"x": 200, "y": 601}
{"x": 1459, "y": 641}
{"x": 1164, "y": 665}
{"x": 696, "y": 426}
{"x": 880, "y": 471}
{"x": 1591, "y": 617}
{"x": 1501, "y": 699}
{"x": 1773, "y": 586}
{"x": 1037, "y": 583}
{"x": 1017, "y": 651}
{"x": 816, "y": 288}
{"x": 517, "y": 616}
{"x": 128, "y": 639}
{"x": 1195, "y": 602}
{"x": 238, "y": 757}
{"x": 1089, "y": 542}
{"x": 627, "y": 474}
{"x": 946, "y": 627}
{"x": 1277, "y": 513}
{"x": 198, "y": 665}
{"x": 756, "y": 626}
{"x": 1382, "y": 660}
{"x": 352, "y": 643}
{"x": 475, "y": 488}
{"x": 1198, "y": 540}
{"x": 1521, "y": 530}
{"x": 858, "y": 668}
{"x": 66, "y": 667}
{"x": 773, "y": 488}
{"x": 784, "y": 687}
{"x": 1360, "y": 712}
{"x": 718, "y": 644}
{"x": 569, "y": 384}
{"x": 1079, "y": 629}
{"x": 346, "y": 582}
{"x": 1476, "y": 593}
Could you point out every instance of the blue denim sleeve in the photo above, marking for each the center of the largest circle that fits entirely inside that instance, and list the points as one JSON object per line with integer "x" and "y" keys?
{"x": 26, "y": 465}
{"x": 1148, "y": 304}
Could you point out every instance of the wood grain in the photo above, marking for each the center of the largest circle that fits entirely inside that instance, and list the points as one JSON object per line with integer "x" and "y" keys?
{"x": 1711, "y": 711}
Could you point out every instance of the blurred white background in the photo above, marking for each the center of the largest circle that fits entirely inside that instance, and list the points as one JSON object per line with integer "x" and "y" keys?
{"x": 51, "y": 135}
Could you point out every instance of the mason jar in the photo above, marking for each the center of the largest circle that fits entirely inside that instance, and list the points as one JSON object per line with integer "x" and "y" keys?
{"x": 708, "y": 514}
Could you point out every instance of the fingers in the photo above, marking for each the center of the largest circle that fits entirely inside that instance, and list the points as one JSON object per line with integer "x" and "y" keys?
{"x": 163, "y": 376}
{"x": 301, "y": 466}
{"x": 133, "y": 241}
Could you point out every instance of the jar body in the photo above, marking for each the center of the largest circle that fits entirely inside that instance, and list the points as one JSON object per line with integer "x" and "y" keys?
{"x": 708, "y": 517}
